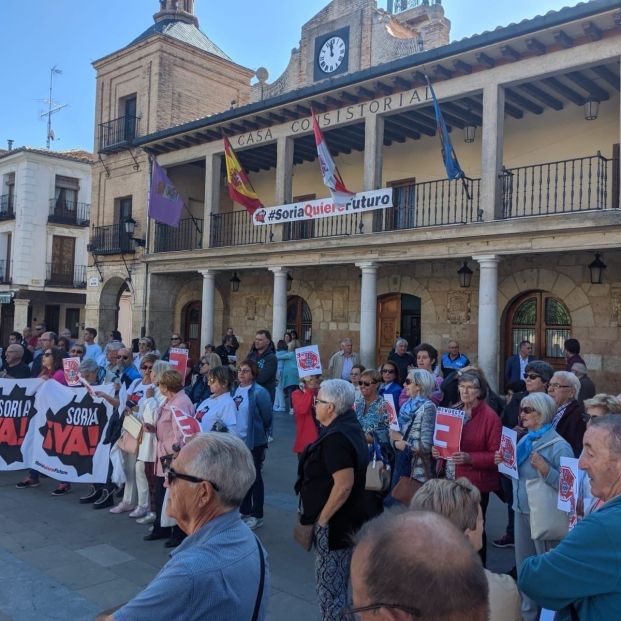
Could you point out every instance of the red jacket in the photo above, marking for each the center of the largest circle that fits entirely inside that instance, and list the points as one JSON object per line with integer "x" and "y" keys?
{"x": 305, "y": 427}
{"x": 481, "y": 439}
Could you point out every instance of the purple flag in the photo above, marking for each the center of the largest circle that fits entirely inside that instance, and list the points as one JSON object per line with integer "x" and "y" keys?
{"x": 165, "y": 203}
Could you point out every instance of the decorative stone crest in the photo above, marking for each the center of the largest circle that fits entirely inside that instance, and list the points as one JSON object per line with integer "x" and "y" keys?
{"x": 251, "y": 307}
{"x": 458, "y": 307}
{"x": 615, "y": 305}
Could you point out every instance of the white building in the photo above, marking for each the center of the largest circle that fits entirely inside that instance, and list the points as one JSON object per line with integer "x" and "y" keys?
{"x": 44, "y": 219}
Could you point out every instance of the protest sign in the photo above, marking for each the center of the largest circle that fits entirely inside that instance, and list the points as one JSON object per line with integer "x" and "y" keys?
{"x": 72, "y": 375}
{"x": 393, "y": 423}
{"x": 508, "y": 453}
{"x": 16, "y": 411}
{"x": 187, "y": 424}
{"x": 178, "y": 359}
{"x": 447, "y": 431}
{"x": 569, "y": 478}
{"x": 308, "y": 360}
{"x": 64, "y": 437}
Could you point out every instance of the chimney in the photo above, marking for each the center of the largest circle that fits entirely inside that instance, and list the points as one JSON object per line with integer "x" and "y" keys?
{"x": 9, "y": 143}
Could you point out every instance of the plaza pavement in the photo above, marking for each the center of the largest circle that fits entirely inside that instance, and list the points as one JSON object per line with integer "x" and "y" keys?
{"x": 62, "y": 561}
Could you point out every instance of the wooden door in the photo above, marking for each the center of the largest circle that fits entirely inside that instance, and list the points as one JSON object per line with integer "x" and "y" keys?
{"x": 192, "y": 329}
{"x": 388, "y": 324}
{"x": 63, "y": 253}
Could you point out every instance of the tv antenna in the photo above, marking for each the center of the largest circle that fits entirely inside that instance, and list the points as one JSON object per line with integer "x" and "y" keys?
{"x": 53, "y": 107}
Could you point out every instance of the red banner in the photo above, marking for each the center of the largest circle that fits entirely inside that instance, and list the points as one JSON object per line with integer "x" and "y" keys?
{"x": 447, "y": 432}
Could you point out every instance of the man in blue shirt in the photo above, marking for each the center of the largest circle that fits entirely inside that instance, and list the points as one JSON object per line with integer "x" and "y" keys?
{"x": 219, "y": 572}
{"x": 129, "y": 372}
{"x": 581, "y": 577}
{"x": 453, "y": 360}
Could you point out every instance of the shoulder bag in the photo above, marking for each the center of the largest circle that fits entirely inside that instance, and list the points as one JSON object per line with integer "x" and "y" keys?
{"x": 547, "y": 522}
{"x": 378, "y": 473}
{"x": 406, "y": 487}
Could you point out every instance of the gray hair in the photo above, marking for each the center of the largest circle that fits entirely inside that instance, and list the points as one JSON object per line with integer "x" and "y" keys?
{"x": 340, "y": 393}
{"x": 601, "y": 400}
{"x": 114, "y": 345}
{"x": 347, "y": 339}
{"x": 88, "y": 366}
{"x": 224, "y": 460}
{"x": 401, "y": 341}
{"x": 159, "y": 368}
{"x": 541, "y": 403}
{"x": 612, "y": 426}
{"x": 424, "y": 380}
{"x": 571, "y": 379}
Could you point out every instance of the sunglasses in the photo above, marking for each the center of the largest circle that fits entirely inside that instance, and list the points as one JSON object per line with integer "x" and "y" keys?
{"x": 367, "y": 384}
{"x": 172, "y": 474}
{"x": 76, "y": 351}
{"x": 48, "y": 353}
{"x": 527, "y": 410}
{"x": 588, "y": 417}
{"x": 145, "y": 368}
{"x": 531, "y": 376}
{"x": 175, "y": 338}
{"x": 388, "y": 371}
{"x": 122, "y": 357}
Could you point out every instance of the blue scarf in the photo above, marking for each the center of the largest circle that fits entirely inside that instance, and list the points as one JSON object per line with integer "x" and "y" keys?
{"x": 525, "y": 446}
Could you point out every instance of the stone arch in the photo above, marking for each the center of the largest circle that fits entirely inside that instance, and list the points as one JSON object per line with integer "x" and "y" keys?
{"x": 109, "y": 298}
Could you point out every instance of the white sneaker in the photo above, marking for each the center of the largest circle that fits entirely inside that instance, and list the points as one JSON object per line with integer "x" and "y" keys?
{"x": 149, "y": 518}
{"x": 253, "y": 523}
{"x": 139, "y": 512}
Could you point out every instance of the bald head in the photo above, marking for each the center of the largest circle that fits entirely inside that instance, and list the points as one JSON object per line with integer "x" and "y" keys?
{"x": 429, "y": 550}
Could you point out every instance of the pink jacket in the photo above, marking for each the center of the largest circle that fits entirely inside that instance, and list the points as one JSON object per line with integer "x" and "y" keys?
{"x": 167, "y": 430}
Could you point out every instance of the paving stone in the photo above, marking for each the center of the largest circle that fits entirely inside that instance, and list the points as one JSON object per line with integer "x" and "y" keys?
{"x": 105, "y": 555}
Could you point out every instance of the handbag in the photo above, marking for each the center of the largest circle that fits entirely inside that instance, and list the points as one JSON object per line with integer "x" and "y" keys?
{"x": 378, "y": 474}
{"x": 546, "y": 521}
{"x": 127, "y": 443}
{"x": 303, "y": 534}
{"x": 132, "y": 425}
{"x": 406, "y": 487}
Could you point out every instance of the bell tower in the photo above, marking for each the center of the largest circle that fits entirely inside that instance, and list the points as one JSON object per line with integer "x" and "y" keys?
{"x": 179, "y": 10}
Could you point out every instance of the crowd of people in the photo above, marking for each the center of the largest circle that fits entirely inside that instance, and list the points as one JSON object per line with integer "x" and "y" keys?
{"x": 345, "y": 434}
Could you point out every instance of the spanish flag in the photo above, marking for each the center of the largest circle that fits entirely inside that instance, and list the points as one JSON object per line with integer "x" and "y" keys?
{"x": 240, "y": 188}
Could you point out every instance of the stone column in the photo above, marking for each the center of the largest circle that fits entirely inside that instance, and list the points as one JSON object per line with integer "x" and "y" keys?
{"x": 20, "y": 318}
{"x": 488, "y": 316}
{"x": 492, "y": 152}
{"x": 368, "y": 313}
{"x": 373, "y": 151}
{"x": 208, "y": 307}
{"x": 279, "y": 306}
{"x": 213, "y": 164}
{"x": 284, "y": 179}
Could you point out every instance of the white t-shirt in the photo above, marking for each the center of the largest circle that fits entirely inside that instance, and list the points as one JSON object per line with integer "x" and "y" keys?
{"x": 241, "y": 401}
{"x": 221, "y": 409}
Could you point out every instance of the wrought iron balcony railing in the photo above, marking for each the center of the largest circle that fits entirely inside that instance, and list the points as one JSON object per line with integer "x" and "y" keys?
{"x": 117, "y": 134}
{"x": 237, "y": 229}
{"x": 110, "y": 239}
{"x": 188, "y": 236}
{"x": 7, "y": 209}
{"x": 69, "y": 212}
{"x": 65, "y": 275}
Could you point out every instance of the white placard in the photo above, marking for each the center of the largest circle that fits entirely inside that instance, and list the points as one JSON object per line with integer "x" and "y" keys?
{"x": 393, "y": 423}
{"x": 308, "y": 360}
{"x": 508, "y": 453}
{"x": 569, "y": 478}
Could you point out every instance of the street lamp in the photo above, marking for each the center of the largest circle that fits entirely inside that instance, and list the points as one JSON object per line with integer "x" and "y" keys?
{"x": 130, "y": 226}
{"x": 465, "y": 275}
{"x": 235, "y": 281}
{"x": 596, "y": 268}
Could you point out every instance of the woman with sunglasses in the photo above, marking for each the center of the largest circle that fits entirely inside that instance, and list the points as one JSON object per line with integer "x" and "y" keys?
{"x": 77, "y": 350}
{"x": 390, "y": 382}
{"x": 169, "y": 437}
{"x": 218, "y": 412}
{"x": 199, "y": 390}
{"x": 539, "y": 454}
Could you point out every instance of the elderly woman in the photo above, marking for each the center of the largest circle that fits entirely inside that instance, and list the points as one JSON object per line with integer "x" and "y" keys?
{"x": 539, "y": 454}
{"x": 169, "y": 437}
{"x": 254, "y": 417}
{"x": 564, "y": 388}
{"x": 145, "y": 346}
{"x": 199, "y": 390}
{"x": 218, "y": 412}
{"x": 390, "y": 381}
{"x": 460, "y": 502}
{"x": 480, "y": 439}
{"x": 412, "y": 443}
{"x": 303, "y": 401}
{"x": 331, "y": 479}
{"x": 372, "y": 410}
{"x": 402, "y": 358}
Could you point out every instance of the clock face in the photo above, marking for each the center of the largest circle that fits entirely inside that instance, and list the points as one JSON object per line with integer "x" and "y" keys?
{"x": 331, "y": 54}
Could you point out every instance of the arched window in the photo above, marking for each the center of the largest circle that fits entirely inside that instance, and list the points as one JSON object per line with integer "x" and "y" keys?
{"x": 299, "y": 318}
{"x": 542, "y": 319}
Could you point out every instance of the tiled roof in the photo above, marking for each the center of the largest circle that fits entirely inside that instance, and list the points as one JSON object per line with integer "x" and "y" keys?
{"x": 184, "y": 32}
{"x": 76, "y": 155}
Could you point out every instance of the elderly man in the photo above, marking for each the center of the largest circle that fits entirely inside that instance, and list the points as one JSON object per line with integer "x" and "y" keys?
{"x": 587, "y": 387}
{"x": 564, "y": 388}
{"x": 581, "y": 576}
{"x": 426, "y": 549}
{"x": 453, "y": 360}
{"x": 342, "y": 362}
{"x": 129, "y": 372}
{"x": 219, "y": 571}
{"x": 403, "y": 359}
{"x": 15, "y": 367}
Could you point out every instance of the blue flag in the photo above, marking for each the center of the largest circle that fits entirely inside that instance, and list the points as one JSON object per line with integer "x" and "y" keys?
{"x": 451, "y": 163}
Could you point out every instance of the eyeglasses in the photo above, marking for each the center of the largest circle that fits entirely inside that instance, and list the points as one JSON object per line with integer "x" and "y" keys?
{"x": 122, "y": 357}
{"x": 47, "y": 353}
{"x": 527, "y": 410}
{"x": 367, "y": 384}
{"x": 172, "y": 474}
{"x": 316, "y": 401}
{"x": 531, "y": 376}
{"x": 244, "y": 370}
{"x": 352, "y": 614}
{"x": 588, "y": 417}
{"x": 175, "y": 338}
{"x": 409, "y": 381}
{"x": 392, "y": 371}
{"x": 145, "y": 368}
{"x": 556, "y": 385}
{"x": 76, "y": 351}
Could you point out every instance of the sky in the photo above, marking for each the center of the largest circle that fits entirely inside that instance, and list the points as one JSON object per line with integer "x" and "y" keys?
{"x": 36, "y": 35}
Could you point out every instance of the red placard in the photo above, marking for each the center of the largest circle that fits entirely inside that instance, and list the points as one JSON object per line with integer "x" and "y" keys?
{"x": 447, "y": 431}
{"x": 70, "y": 367}
{"x": 178, "y": 359}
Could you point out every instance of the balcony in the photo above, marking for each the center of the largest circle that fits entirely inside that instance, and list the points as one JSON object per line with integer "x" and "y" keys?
{"x": 65, "y": 275}
{"x": 7, "y": 211}
{"x": 117, "y": 134}
{"x": 188, "y": 236}
{"x": 69, "y": 212}
{"x": 5, "y": 272}
{"x": 110, "y": 239}
{"x": 237, "y": 229}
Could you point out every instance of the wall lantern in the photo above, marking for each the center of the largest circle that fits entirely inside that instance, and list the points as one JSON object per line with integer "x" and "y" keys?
{"x": 591, "y": 109}
{"x": 235, "y": 283}
{"x": 596, "y": 268}
{"x": 469, "y": 133}
{"x": 130, "y": 226}
{"x": 465, "y": 275}
{"x": 289, "y": 281}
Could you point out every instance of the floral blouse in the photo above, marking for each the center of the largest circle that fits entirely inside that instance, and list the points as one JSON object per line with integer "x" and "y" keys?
{"x": 375, "y": 419}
